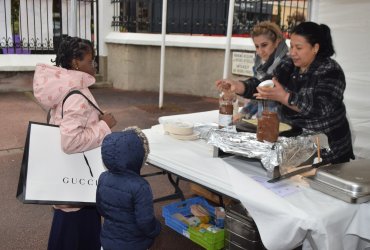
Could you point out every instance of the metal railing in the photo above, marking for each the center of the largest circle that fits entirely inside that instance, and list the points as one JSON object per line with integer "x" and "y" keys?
{"x": 207, "y": 17}
{"x": 36, "y": 26}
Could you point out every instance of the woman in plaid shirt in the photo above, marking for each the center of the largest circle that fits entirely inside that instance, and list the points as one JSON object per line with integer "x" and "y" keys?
{"x": 310, "y": 87}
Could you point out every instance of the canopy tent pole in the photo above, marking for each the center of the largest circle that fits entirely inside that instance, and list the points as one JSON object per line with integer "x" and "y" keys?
{"x": 73, "y": 18}
{"x": 227, "y": 52}
{"x": 163, "y": 52}
{"x": 228, "y": 38}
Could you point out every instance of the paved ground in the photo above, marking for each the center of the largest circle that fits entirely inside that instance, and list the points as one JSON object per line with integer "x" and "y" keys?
{"x": 27, "y": 226}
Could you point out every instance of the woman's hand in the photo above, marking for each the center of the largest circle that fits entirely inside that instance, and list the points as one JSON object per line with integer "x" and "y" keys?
{"x": 230, "y": 85}
{"x": 277, "y": 93}
{"x": 237, "y": 117}
{"x": 109, "y": 119}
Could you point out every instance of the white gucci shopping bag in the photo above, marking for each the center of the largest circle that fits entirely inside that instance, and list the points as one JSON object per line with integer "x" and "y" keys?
{"x": 50, "y": 176}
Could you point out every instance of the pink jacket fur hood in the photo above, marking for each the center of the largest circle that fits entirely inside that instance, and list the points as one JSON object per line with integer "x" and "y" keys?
{"x": 80, "y": 126}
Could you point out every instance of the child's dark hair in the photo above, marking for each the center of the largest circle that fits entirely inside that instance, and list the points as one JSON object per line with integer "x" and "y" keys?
{"x": 72, "y": 48}
{"x": 315, "y": 33}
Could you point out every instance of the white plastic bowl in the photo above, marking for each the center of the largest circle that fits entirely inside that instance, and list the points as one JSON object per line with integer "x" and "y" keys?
{"x": 267, "y": 84}
{"x": 178, "y": 127}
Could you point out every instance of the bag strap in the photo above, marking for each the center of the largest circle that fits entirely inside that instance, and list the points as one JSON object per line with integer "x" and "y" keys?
{"x": 92, "y": 104}
{"x": 80, "y": 93}
{"x": 48, "y": 116}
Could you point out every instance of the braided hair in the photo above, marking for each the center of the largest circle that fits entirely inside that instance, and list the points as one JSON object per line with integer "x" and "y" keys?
{"x": 72, "y": 48}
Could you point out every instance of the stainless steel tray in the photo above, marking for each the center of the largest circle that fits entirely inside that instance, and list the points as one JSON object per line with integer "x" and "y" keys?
{"x": 349, "y": 182}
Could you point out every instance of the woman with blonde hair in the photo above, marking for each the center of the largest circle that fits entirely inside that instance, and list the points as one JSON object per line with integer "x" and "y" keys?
{"x": 270, "y": 50}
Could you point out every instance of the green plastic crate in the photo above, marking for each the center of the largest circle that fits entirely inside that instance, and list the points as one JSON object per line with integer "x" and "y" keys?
{"x": 208, "y": 240}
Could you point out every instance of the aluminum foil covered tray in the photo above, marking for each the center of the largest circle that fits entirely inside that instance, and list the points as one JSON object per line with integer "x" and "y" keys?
{"x": 349, "y": 182}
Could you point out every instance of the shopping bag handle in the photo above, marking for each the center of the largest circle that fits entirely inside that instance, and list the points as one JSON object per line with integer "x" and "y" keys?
{"x": 65, "y": 98}
{"x": 80, "y": 93}
{"x": 92, "y": 104}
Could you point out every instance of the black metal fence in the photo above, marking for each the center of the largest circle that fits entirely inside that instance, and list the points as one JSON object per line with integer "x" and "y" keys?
{"x": 36, "y": 26}
{"x": 207, "y": 17}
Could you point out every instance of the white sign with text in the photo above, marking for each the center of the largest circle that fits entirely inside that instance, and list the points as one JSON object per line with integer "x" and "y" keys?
{"x": 242, "y": 63}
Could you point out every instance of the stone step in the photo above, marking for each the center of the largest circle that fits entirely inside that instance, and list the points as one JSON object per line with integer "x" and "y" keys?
{"x": 13, "y": 81}
{"x": 102, "y": 84}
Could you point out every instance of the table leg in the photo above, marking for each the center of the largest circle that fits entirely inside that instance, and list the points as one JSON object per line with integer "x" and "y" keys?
{"x": 178, "y": 192}
{"x": 175, "y": 183}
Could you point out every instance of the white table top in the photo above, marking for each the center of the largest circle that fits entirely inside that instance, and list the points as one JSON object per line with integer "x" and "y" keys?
{"x": 319, "y": 220}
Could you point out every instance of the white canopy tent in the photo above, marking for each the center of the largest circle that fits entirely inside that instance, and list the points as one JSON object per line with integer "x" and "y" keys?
{"x": 351, "y": 41}
{"x": 349, "y": 25}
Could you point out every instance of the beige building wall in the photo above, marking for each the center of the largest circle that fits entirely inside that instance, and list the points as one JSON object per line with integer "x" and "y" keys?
{"x": 187, "y": 70}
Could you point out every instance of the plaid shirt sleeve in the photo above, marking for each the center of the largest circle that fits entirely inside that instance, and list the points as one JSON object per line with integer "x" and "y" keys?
{"x": 250, "y": 86}
{"x": 322, "y": 93}
{"x": 315, "y": 93}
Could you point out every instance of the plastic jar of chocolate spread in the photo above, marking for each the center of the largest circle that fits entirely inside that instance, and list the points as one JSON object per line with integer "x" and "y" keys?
{"x": 268, "y": 121}
{"x": 226, "y": 108}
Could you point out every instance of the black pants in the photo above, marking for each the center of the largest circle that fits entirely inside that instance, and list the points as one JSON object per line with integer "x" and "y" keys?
{"x": 75, "y": 230}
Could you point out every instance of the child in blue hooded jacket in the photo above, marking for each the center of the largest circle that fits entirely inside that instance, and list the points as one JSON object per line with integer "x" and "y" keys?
{"x": 124, "y": 198}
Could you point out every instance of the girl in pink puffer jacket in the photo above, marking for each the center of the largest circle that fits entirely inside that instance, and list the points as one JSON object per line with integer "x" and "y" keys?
{"x": 82, "y": 128}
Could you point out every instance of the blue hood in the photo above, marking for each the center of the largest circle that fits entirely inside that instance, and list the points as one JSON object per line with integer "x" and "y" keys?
{"x": 126, "y": 150}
